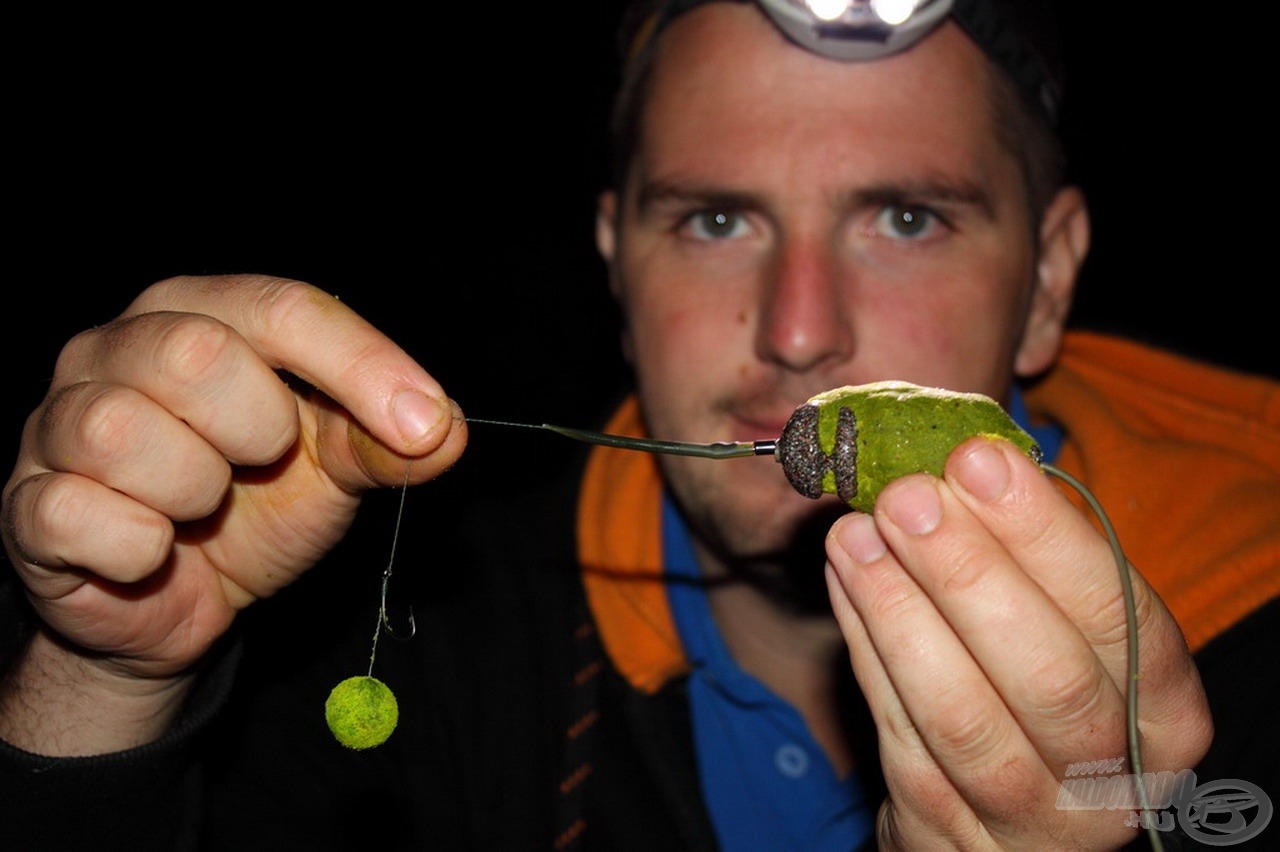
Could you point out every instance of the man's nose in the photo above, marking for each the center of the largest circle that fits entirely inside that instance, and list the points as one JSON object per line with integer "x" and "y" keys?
{"x": 804, "y": 321}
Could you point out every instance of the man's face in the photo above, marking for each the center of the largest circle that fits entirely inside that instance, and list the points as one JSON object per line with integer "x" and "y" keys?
{"x": 793, "y": 224}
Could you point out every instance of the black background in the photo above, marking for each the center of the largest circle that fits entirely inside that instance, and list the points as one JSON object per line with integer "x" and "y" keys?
{"x": 440, "y": 178}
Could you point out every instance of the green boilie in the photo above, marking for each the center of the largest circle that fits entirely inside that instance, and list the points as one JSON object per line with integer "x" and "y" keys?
{"x": 361, "y": 712}
{"x": 853, "y": 441}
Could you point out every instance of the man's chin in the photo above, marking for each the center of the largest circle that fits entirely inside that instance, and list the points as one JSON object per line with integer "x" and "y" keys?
{"x": 783, "y": 558}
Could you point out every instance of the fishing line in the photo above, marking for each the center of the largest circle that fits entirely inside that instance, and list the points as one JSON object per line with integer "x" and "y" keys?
{"x": 362, "y": 711}
{"x": 384, "y": 622}
{"x": 1131, "y": 639}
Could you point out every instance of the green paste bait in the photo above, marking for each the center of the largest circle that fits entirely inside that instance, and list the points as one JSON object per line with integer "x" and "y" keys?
{"x": 853, "y": 441}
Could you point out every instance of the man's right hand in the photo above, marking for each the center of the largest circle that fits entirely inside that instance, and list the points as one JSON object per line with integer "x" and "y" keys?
{"x": 171, "y": 477}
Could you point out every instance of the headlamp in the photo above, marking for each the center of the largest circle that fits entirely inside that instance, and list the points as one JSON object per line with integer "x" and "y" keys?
{"x": 856, "y": 29}
{"x": 1018, "y": 35}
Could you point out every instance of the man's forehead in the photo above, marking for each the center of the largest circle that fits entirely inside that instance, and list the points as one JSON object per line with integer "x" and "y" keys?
{"x": 735, "y": 115}
{"x": 724, "y": 80}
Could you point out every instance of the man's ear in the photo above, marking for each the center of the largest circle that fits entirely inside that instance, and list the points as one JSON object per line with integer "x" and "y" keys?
{"x": 1064, "y": 242}
{"x": 607, "y": 232}
{"x": 607, "y": 245}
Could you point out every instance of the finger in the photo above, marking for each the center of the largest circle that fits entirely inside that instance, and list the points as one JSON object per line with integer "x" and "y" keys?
{"x": 1067, "y": 556}
{"x": 57, "y": 521}
{"x": 1044, "y": 670}
{"x": 915, "y": 783}
{"x": 313, "y": 335}
{"x": 1058, "y": 546}
{"x": 201, "y": 371}
{"x": 122, "y": 438}
{"x": 945, "y": 730}
{"x": 356, "y": 459}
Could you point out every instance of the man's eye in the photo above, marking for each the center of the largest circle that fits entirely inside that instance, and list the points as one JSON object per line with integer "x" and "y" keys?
{"x": 905, "y": 222}
{"x": 716, "y": 225}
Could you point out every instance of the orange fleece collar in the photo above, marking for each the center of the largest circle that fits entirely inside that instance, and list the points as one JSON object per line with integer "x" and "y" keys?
{"x": 620, "y": 549}
{"x": 1185, "y": 458}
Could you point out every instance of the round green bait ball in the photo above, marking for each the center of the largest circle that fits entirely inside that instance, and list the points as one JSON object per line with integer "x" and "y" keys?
{"x": 362, "y": 712}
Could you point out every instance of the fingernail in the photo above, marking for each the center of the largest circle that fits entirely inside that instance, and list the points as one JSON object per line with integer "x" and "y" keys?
{"x": 416, "y": 414}
{"x": 857, "y": 536}
{"x": 914, "y": 506}
{"x": 983, "y": 472}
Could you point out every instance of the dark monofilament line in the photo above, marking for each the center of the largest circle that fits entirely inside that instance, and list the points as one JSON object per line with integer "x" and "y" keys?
{"x": 718, "y": 450}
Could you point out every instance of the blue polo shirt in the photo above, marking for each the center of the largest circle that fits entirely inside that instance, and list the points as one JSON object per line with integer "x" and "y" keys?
{"x": 766, "y": 781}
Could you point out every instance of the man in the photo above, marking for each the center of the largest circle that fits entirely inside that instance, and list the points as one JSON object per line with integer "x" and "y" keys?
{"x": 785, "y": 223}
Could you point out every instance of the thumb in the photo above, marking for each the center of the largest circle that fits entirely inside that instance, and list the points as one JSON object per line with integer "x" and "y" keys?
{"x": 357, "y": 460}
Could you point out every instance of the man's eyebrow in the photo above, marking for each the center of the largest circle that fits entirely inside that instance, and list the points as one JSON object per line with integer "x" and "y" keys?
{"x": 933, "y": 190}
{"x": 928, "y": 191}
{"x": 656, "y": 192}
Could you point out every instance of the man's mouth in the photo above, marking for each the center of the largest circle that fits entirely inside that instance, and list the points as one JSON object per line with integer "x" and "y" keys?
{"x": 762, "y": 426}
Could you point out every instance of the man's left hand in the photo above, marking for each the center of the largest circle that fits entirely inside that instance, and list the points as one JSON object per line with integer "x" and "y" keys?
{"x": 987, "y": 630}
